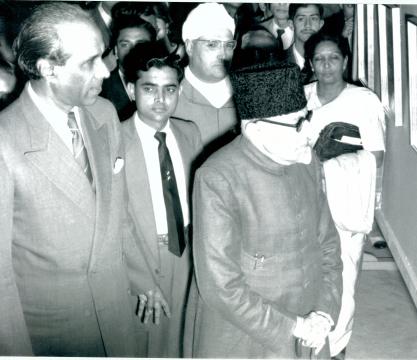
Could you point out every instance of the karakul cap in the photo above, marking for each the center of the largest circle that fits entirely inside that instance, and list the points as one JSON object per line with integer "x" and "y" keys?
{"x": 205, "y": 20}
{"x": 268, "y": 89}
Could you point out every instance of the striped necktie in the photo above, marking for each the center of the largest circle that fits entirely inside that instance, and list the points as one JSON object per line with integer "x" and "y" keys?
{"x": 78, "y": 148}
{"x": 175, "y": 221}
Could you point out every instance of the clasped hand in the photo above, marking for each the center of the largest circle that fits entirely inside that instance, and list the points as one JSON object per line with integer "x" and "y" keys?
{"x": 313, "y": 331}
{"x": 151, "y": 305}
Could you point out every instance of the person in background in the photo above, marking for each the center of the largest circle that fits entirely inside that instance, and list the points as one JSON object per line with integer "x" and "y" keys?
{"x": 160, "y": 151}
{"x": 266, "y": 252}
{"x": 343, "y": 23}
{"x": 305, "y": 19}
{"x": 100, "y": 12}
{"x": 350, "y": 178}
{"x": 63, "y": 214}
{"x": 206, "y": 95}
{"x": 279, "y": 24}
{"x": 8, "y": 83}
{"x": 128, "y": 30}
{"x": 165, "y": 32}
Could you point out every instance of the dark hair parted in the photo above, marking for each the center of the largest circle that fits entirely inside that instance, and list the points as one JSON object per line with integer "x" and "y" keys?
{"x": 130, "y": 21}
{"x": 292, "y": 10}
{"x": 39, "y": 39}
{"x": 146, "y": 55}
{"x": 321, "y": 36}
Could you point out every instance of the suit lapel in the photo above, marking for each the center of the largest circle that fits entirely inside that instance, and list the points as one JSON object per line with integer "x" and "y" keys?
{"x": 47, "y": 152}
{"x": 137, "y": 178}
{"x": 97, "y": 142}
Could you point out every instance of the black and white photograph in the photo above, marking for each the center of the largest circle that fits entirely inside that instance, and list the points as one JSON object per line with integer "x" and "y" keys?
{"x": 208, "y": 179}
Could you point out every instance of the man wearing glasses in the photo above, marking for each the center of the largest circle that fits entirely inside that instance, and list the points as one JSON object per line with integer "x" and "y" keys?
{"x": 266, "y": 252}
{"x": 206, "y": 95}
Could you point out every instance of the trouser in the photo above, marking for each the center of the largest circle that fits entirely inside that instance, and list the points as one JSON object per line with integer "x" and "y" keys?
{"x": 351, "y": 253}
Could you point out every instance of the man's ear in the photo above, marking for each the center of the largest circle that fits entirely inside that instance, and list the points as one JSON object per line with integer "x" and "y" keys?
{"x": 131, "y": 90}
{"x": 188, "y": 47}
{"x": 45, "y": 68}
{"x": 291, "y": 24}
{"x": 321, "y": 23}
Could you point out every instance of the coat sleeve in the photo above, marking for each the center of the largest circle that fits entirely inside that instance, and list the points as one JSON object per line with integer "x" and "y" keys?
{"x": 14, "y": 335}
{"x": 220, "y": 280}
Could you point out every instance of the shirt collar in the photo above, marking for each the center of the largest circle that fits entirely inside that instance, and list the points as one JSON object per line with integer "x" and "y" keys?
{"x": 48, "y": 109}
{"x": 147, "y": 130}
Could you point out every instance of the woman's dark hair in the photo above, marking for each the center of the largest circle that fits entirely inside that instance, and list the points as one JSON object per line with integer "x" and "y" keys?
{"x": 317, "y": 38}
{"x": 147, "y": 55}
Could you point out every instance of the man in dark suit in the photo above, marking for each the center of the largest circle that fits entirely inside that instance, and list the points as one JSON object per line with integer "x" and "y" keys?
{"x": 128, "y": 30}
{"x": 63, "y": 281}
{"x": 159, "y": 264}
{"x": 305, "y": 19}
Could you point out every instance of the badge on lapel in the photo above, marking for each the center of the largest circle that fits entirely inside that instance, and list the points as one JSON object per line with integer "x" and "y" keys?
{"x": 118, "y": 165}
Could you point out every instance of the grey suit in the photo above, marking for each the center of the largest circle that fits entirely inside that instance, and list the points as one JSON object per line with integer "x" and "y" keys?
{"x": 150, "y": 264}
{"x": 63, "y": 282}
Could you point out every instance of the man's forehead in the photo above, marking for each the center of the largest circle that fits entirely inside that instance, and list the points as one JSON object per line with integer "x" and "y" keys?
{"x": 80, "y": 37}
{"x": 307, "y": 10}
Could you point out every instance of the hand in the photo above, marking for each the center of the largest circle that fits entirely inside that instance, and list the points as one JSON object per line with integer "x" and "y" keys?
{"x": 150, "y": 305}
{"x": 313, "y": 331}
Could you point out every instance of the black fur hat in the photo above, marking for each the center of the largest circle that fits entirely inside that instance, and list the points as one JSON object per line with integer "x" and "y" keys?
{"x": 268, "y": 89}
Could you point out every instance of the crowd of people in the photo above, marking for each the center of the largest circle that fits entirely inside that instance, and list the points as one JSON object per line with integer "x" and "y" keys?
{"x": 161, "y": 190}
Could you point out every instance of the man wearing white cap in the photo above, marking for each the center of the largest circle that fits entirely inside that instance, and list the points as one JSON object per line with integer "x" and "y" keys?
{"x": 206, "y": 96}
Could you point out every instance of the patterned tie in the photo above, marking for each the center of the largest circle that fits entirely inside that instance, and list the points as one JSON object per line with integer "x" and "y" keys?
{"x": 280, "y": 32}
{"x": 176, "y": 235}
{"x": 78, "y": 148}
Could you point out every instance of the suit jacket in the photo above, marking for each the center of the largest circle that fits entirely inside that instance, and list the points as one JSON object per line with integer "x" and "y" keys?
{"x": 114, "y": 90}
{"x": 307, "y": 73}
{"x": 63, "y": 281}
{"x": 149, "y": 265}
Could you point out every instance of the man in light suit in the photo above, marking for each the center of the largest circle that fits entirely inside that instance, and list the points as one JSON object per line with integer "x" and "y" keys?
{"x": 63, "y": 282}
{"x": 159, "y": 270}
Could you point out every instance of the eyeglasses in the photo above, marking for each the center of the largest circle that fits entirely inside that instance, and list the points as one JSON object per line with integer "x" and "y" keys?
{"x": 217, "y": 44}
{"x": 298, "y": 125}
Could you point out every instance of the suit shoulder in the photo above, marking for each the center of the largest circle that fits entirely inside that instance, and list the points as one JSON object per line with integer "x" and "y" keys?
{"x": 102, "y": 108}
{"x": 184, "y": 125}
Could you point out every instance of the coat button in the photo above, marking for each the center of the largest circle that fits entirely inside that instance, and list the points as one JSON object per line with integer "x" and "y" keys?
{"x": 157, "y": 271}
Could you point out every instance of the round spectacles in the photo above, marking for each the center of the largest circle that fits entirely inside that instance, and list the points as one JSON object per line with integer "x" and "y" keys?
{"x": 298, "y": 125}
{"x": 218, "y": 44}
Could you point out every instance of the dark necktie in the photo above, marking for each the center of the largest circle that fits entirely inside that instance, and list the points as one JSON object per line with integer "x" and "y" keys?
{"x": 78, "y": 148}
{"x": 280, "y": 32}
{"x": 176, "y": 235}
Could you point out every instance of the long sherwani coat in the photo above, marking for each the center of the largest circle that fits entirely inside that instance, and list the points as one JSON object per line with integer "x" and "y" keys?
{"x": 265, "y": 250}
{"x": 149, "y": 264}
{"x": 63, "y": 283}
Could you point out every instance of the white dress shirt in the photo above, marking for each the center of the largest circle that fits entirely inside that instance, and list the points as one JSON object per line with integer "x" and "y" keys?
{"x": 150, "y": 151}
{"x": 299, "y": 58}
{"x": 57, "y": 118}
{"x": 287, "y": 37}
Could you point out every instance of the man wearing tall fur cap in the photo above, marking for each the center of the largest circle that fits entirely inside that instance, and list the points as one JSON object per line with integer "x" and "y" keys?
{"x": 206, "y": 92}
{"x": 266, "y": 251}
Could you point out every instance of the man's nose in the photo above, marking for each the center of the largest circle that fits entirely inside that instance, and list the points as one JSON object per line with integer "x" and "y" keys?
{"x": 159, "y": 96}
{"x": 102, "y": 72}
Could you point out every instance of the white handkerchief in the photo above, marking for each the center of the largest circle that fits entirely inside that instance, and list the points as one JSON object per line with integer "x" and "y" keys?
{"x": 118, "y": 165}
